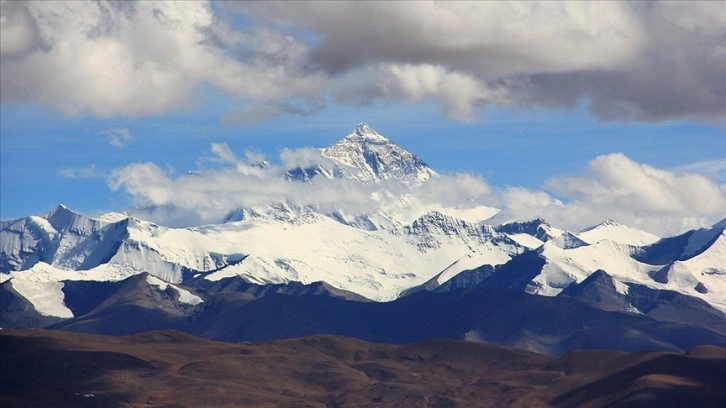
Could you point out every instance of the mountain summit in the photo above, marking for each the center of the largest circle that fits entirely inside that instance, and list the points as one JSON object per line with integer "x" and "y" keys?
{"x": 616, "y": 232}
{"x": 365, "y": 133}
{"x": 369, "y": 157}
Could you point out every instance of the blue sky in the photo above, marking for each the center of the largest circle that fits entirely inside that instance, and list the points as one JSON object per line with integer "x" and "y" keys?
{"x": 88, "y": 89}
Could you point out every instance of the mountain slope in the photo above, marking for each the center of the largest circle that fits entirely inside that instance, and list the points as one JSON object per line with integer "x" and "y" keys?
{"x": 542, "y": 324}
{"x": 604, "y": 292}
{"x": 552, "y": 325}
{"x": 434, "y": 252}
{"x": 17, "y": 309}
{"x": 139, "y": 303}
{"x": 500, "y": 312}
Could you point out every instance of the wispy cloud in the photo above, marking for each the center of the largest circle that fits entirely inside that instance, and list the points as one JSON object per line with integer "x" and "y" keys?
{"x": 715, "y": 169}
{"x": 118, "y": 137}
{"x": 80, "y": 172}
{"x": 262, "y": 112}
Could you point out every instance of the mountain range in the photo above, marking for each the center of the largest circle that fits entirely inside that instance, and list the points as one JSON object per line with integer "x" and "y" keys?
{"x": 398, "y": 274}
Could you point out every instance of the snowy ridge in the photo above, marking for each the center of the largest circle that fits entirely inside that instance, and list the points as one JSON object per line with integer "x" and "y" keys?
{"x": 568, "y": 240}
{"x": 703, "y": 275}
{"x": 614, "y": 231}
{"x": 705, "y": 272}
{"x": 700, "y": 239}
{"x": 306, "y": 246}
{"x": 566, "y": 266}
{"x": 63, "y": 238}
{"x": 537, "y": 228}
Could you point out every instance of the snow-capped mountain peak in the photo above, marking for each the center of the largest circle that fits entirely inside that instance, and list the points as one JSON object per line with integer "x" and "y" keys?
{"x": 614, "y": 231}
{"x": 368, "y": 156}
{"x": 537, "y": 228}
{"x": 365, "y": 133}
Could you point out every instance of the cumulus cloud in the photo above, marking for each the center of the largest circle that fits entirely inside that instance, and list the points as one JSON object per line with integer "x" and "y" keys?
{"x": 611, "y": 187}
{"x": 222, "y": 153}
{"x": 457, "y": 93}
{"x": 614, "y": 186}
{"x": 455, "y": 190}
{"x": 137, "y": 59}
{"x": 148, "y": 184}
{"x": 462, "y": 34}
{"x": 617, "y": 180}
{"x": 649, "y": 61}
{"x": 630, "y": 61}
{"x": 209, "y": 193}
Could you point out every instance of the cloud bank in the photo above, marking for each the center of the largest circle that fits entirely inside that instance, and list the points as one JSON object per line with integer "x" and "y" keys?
{"x": 136, "y": 59}
{"x": 612, "y": 186}
{"x": 626, "y": 61}
{"x": 211, "y": 192}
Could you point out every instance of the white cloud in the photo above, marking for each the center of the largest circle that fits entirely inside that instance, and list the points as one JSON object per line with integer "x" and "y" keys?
{"x": 17, "y": 31}
{"x": 223, "y": 153}
{"x": 80, "y": 172}
{"x": 612, "y": 56}
{"x": 134, "y": 59}
{"x": 612, "y": 186}
{"x": 455, "y": 190}
{"x": 657, "y": 200}
{"x": 138, "y": 59}
{"x": 457, "y": 93}
{"x": 118, "y": 137}
{"x": 714, "y": 169}
{"x": 615, "y": 179}
{"x": 208, "y": 194}
{"x": 146, "y": 183}
{"x": 267, "y": 110}
{"x": 550, "y": 37}
{"x": 303, "y": 157}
